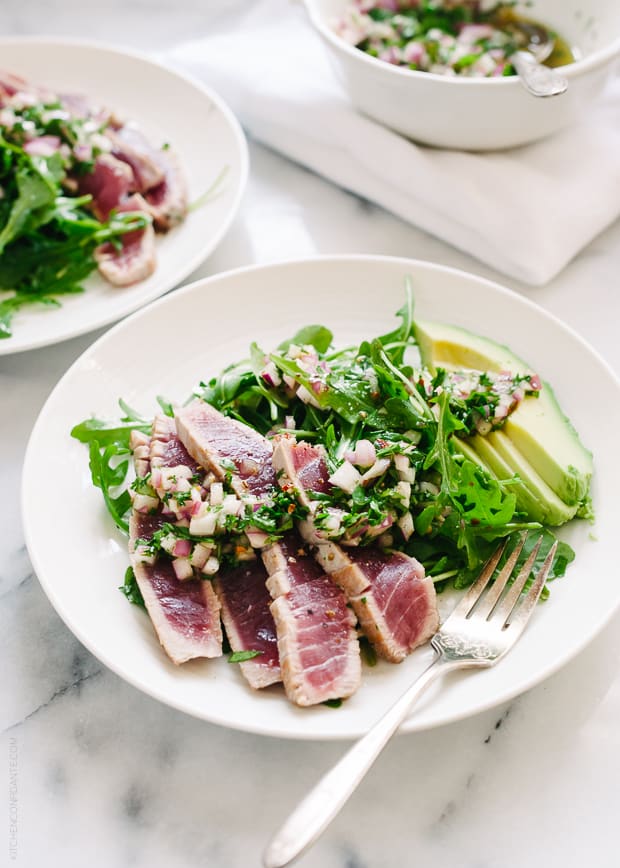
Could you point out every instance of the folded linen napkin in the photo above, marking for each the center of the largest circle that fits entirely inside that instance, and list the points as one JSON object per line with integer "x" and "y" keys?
{"x": 525, "y": 212}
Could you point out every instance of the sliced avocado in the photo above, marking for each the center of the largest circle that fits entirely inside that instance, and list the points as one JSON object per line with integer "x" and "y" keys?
{"x": 538, "y": 428}
{"x": 484, "y": 455}
{"x": 534, "y": 497}
{"x": 533, "y": 494}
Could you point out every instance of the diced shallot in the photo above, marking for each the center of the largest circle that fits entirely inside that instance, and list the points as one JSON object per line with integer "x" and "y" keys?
{"x": 364, "y": 454}
{"x": 200, "y": 555}
{"x": 377, "y": 469}
{"x": 270, "y": 375}
{"x": 307, "y": 397}
{"x": 203, "y": 525}
{"x": 145, "y": 503}
{"x": 182, "y": 569}
{"x": 168, "y": 543}
{"x": 403, "y": 491}
{"x": 405, "y": 471}
{"x": 405, "y": 523}
{"x": 211, "y": 566}
{"x": 42, "y": 146}
{"x": 346, "y": 477}
{"x": 216, "y": 494}
{"x": 231, "y": 505}
{"x": 256, "y": 538}
{"x": 182, "y": 548}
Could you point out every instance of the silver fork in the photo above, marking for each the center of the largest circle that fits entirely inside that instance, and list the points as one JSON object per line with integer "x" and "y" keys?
{"x": 480, "y": 631}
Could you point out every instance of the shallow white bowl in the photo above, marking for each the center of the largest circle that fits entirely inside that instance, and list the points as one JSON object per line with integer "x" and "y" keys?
{"x": 479, "y": 113}
{"x": 81, "y": 559}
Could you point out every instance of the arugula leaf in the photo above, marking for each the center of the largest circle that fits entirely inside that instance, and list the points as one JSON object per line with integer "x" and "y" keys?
{"x": 131, "y": 589}
{"x": 563, "y": 556}
{"x": 34, "y": 194}
{"x": 242, "y": 656}
{"x": 105, "y": 433}
{"x": 395, "y": 342}
{"x": 108, "y": 473}
{"x": 402, "y": 415}
{"x": 109, "y": 457}
{"x": 316, "y": 336}
{"x": 166, "y": 406}
{"x": 131, "y": 415}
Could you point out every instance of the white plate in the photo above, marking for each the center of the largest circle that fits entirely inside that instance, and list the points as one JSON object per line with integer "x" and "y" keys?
{"x": 80, "y": 558}
{"x": 170, "y": 108}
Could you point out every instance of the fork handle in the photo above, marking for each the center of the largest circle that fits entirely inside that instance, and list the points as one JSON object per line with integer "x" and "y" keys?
{"x": 316, "y": 811}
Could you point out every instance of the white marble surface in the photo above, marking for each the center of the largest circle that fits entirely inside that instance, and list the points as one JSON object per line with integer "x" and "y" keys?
{"x": 98, "y": 774}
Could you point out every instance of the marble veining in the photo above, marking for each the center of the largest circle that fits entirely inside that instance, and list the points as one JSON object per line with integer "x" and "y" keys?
{"x": 101, "y": 775}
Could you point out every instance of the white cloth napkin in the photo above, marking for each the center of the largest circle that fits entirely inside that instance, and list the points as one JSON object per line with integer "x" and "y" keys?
{"x": 525, "y": 212}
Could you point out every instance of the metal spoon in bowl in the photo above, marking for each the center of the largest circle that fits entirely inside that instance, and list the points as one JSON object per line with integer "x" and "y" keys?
{"x": 537, "y": 79}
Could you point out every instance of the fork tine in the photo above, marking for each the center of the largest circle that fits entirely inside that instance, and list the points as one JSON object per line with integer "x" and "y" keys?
{"x": 486, "y": 605}
{"x": 506, "y": 606}
{"x": 473, "y": 594}
{"x": 522, "y": 613}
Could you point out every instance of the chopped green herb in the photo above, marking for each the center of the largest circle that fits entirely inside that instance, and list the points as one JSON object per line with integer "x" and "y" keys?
{"x": 369, "y": 655}
{"x": 166, "y": 406}
{"x": 131, "y": 590}
{"x": 242, "y": 656}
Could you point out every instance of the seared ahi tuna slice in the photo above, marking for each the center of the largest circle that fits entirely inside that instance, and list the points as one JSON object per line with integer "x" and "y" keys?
{"x": 394, "y": 602}
{"x": 140, "y": 445}
{"x": 217, "y": 442}
{"x": 244, "y": 601}
{"x": 166, "y": 448}
{"x": 319, "y": 651}
{"x": 109, "y": 184}
{"x": 10, "y": 84}
{"x": 303, "y": 466}
{"x": 185, "y": 614}
{"x": 130, "y": 146}
{"x": 167, "y": 202}
{"x": 135, "y": 260}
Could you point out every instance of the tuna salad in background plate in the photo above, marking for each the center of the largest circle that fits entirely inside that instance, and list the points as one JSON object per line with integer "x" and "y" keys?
{"x": 82, "y": 188}
{"x": 108, "y": 201}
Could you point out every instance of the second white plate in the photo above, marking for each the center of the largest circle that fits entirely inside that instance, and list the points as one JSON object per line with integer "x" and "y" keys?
{"x": 169, "y": 108}
{"x": 81, "y": 559}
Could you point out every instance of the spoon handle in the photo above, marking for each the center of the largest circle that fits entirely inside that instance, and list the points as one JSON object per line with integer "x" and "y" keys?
{"x": 537, "y": 79}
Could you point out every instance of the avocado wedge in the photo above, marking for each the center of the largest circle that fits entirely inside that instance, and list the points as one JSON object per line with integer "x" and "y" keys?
{"x": 486, "y": 457}
{"x": 534, "y": 497}
{"x": 537, "y": 441}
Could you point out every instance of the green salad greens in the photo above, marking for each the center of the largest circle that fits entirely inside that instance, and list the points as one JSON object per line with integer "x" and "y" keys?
{"x": 400, "y": 479}
{"x": 48, "y": 237}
